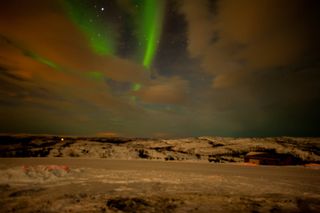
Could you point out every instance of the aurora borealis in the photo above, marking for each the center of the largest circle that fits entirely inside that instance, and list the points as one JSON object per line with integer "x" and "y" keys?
{"x": 160, "y": 68}
{"x": 151, "y": 26}
{"x": 99, "y": 34}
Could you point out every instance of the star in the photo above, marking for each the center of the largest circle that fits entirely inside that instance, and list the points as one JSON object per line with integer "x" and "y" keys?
{"x": 102, "y": 8}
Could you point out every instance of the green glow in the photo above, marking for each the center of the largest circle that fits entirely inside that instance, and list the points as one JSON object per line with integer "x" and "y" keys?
{"x": 41, "y": 60}
{"x": 98, "y": 34}
{"x": 150, "y": 29}
{"x": 136, "y": 87}
{"x": 133, "y": 98}
{"x": 98, "y": 76}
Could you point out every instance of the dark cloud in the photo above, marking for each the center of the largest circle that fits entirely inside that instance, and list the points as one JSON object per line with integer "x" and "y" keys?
{"x": 261, "y": 57}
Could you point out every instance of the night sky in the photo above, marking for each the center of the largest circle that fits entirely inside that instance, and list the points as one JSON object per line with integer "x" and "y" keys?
{"x": 147, "y": 68}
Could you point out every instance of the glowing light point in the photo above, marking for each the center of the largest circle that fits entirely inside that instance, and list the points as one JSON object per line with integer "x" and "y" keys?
{"x": 102, "y": 8}
{"x": 62, "y": 139}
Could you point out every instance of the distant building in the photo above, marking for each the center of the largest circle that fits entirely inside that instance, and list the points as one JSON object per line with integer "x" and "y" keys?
{"x": 265, "y": 158}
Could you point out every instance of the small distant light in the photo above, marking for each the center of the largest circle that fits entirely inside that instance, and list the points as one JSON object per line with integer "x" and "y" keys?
{"x": 62, "y": 139}
{"x": 102, "y": 8}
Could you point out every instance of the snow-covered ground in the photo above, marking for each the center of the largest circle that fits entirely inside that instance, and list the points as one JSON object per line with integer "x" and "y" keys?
{"x": 102, "y": 185}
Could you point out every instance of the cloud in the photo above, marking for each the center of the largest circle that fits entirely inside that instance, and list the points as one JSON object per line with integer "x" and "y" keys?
{"x": 262, "y": 57}
{"x": 200, "y": 24}
{"x": 41, "y": 46}
{"x": 57, "y": 83}
{"x": 164, "y": 90}
{"x": 50, "y": 34}
{"x": 45, "y": 79}
{"x": 249, "y": 67}
{"x": 249, "y": 36}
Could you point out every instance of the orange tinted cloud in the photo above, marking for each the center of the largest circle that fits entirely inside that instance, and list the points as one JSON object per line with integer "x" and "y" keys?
{"x": 52, "y": 35}
{"x": 165, "y": 91}
{"x": 249, "y": 35}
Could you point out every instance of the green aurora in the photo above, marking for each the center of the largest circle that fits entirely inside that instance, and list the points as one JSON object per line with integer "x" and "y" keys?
{"x": 41, "y": 59}
{"x": 100, "y": 36}
{"x": 136, "y": 87}
{"x": 151, "y": 19}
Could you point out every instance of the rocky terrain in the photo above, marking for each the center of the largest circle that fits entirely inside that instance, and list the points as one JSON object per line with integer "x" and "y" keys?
{"x": 213, "y": 149}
